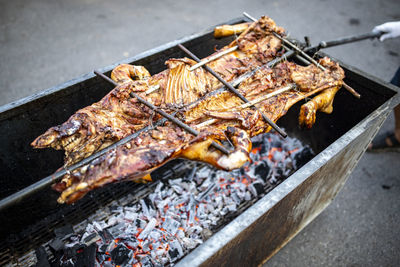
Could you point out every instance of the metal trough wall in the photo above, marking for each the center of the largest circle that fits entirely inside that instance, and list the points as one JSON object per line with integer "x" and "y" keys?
{"x": 338, "y": 139}
{"x": 259, "y": 232}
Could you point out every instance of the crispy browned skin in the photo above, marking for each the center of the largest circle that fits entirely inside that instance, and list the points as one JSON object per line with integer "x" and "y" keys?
{"x": 117, "y": 115}
{"x": 154, "y": 148}
{"x": 201, "y": 103}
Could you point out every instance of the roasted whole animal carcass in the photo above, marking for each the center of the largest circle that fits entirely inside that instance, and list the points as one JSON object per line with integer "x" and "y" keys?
{"x": 198, "y": 100}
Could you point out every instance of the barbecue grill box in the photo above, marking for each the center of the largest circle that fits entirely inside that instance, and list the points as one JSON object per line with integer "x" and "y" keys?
{"x": 338, "y": 140}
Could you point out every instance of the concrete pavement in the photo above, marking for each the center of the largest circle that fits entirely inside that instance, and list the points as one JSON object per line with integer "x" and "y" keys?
{"x": 45, "y": 42}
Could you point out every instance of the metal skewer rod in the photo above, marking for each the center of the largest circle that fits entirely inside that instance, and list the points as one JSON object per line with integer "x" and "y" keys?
{"x": 293, "y": 47}
{"x": 214, "y": 57}
{"x": 164, "y": 114}
{"x": 307, "y": 60}
{"x": 247, "y": 15}
{"x": 348, "y": 39}
{"x": 233, "y": 90}
{"x": 331, "y": 43}
{"x": 251, "y": 103}
{"x": 277, "y": 92}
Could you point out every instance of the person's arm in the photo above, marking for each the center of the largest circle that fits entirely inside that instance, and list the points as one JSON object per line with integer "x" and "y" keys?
{"x": 389, "y": 29}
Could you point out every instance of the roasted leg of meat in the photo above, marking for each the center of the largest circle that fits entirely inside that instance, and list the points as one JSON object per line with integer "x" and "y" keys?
{"x": 218, "y": 116}
{"x": 117, "y": 115}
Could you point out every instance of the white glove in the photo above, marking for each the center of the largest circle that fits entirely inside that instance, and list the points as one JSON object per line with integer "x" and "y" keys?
{"x": 389, "y": 29}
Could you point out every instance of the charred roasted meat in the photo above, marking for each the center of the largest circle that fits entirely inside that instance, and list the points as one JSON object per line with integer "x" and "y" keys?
{"x": 117, "y": 115}
{"x": 218, "y": 116}
{"x": 199, "y": 101}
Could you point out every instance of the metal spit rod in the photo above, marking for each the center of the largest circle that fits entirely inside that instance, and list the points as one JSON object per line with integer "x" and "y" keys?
{"x": 349, "y": 39}
{"x": 313, "y": 61}
{"x": 233, "y": 90}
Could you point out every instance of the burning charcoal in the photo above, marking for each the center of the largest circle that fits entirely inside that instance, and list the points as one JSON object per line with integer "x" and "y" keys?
{"x": 171, "y": 225}
{"x": 116, "y": 208}
{"x": 41, "y": 257}
{"x": 279, "y": 171}
{"x": 132, "y": 261}
{"x": 273, "y": 180}
{"x": 160, "y": 252}
{"x": 97, "y": 226}
{"x": 131, "y": 209}
{"x": 107, "y": 264}
{"x": 145, "y": 209}
{"x": 175, "y": 252}
{"x": 191, "y": 173}
{"x": 192, "y": 214}
{"x": 194, "y": 229}
{"x": 191, "y": 243}
{"x": 130, "y": 216}
{"x": 180, "y": 233}
{"x": 224, "y": 211}
{"x": 146, "y": 245}
{"x": 232, "y": 207}
{"x": 149, "y": 203}
{"x": 210, "y": 207}
{"x": 235, "y": 198}
{"x": 87, "y": 257}
{"x": 201, "y": 211}
{"x": 178, "y": 189}
{"x": 56, "y": 245}
{"x": 90, "y": 238}
{"x": 203, "y": 172}
{"x": 303, "y": 156}
{"x": 206, "y": 192}
{"x": 159, "y": 187}
{"x": 101, "y": 257}
{"x": 191, "y": 203}
{"x": 178, "y": 214}
{"x": 256, "y": 188}
{"x": 278, "y": 156}
{"x": 132, "y": 244}
{"x": 140, "y": 223}
{"x": 262, "y": 170}
{"x": 155, "y": 235}
{"x": 105, "y": 235}
{"x": 121, "y": 254}
{"x": 149, "y": 227}
{"x": 70, "y": 256}
{"x": 146, "y": 262}
{"x": 206, "y": 184}
{"x": 247, "y": 196}
{"x": 112, "y": 220}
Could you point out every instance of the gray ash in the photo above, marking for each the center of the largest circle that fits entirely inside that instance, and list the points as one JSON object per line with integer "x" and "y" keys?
{"x": 179, "y": 214}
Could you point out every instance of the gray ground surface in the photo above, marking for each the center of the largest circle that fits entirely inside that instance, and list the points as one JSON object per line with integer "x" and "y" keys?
{"x": 45, "y": 42}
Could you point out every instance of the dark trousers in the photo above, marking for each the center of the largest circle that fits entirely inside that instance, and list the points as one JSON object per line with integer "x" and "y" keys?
{"x": 396, "y": 78}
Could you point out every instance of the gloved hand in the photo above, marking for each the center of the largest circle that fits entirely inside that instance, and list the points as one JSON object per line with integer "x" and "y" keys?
{"x": 390, "y": 30}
